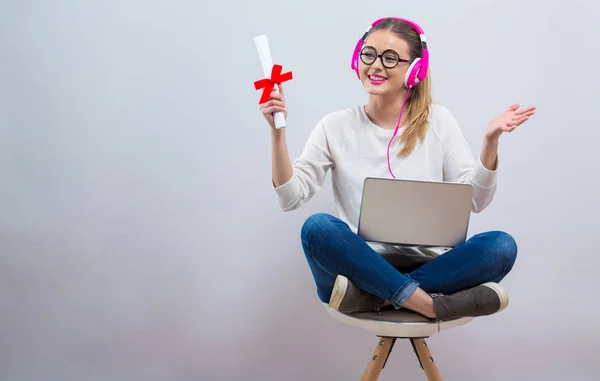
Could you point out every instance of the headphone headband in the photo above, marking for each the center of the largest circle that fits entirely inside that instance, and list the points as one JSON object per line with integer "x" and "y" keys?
{"x": 417, "y": 71}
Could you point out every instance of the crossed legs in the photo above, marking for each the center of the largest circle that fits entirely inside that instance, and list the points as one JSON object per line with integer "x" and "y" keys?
{"x": 332, "y": 249}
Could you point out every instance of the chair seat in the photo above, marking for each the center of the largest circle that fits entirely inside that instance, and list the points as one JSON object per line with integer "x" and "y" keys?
{"x": 400, "y": 324}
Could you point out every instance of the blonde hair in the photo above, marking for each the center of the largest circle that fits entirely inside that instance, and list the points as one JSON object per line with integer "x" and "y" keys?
{"x": 417, "y": 109}
{"x": 418, "y": 105}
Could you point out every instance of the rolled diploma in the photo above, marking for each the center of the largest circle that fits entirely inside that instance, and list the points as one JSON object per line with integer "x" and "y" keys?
{"x": 264, "y": 53}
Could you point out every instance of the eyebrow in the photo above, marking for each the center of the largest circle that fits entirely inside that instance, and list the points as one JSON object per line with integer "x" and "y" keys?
{"x": 381, "y": 51}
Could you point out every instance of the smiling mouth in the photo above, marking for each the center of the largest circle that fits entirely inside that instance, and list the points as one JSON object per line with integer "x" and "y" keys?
{"x": 377, "y": 78}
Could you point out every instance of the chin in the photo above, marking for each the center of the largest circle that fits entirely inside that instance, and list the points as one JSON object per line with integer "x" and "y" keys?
{"x": 376, "y": 92}
{"x": 377, "y": 89}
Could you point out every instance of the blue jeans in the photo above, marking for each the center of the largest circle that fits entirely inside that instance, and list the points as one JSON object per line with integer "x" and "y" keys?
{"x": 331, "y": 248}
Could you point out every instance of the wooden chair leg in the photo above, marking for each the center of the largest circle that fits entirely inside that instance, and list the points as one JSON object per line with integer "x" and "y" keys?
{"x": 379, "y": 358}
{"x": 426, "y": 360}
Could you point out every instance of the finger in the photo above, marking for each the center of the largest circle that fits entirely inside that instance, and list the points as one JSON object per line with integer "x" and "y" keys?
{"x": 281, "y": 89}
{"x": 519, "y": 121}
{"x": 523, "y": 116}
{"x": 272, "y": 102}
{"x": 526, "y": 115}
{"x": 275, "y": 95}
{"x": 272, "y": 109}
{"x": 528, "y": 110}
{"x": 514, "y": 107}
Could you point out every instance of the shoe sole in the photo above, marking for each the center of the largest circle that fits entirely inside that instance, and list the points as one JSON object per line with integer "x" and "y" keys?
{"x": 502, "y": 295}
{"x": 339, "y": 291}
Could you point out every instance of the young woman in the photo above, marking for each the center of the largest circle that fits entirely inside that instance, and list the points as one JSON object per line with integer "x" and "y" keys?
{"x": 391, "y": 61}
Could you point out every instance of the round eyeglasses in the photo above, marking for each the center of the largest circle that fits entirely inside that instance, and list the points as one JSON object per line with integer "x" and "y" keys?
{"x": 389, "y": 58}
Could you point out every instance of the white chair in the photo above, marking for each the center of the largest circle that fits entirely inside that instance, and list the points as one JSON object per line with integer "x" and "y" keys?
{"x": 390, "y": 325}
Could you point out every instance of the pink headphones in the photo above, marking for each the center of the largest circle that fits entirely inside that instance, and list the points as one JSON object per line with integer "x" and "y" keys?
{"x": 417, "y": 69}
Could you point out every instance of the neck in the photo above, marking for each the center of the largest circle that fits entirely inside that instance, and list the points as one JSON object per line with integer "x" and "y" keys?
{"x": 385, "y": 110}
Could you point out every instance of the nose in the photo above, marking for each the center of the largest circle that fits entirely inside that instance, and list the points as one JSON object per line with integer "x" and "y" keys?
{"x": 378, "y": 63}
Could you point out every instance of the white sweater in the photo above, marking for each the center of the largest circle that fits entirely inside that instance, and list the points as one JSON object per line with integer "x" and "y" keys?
{"x": 352, "y": 147}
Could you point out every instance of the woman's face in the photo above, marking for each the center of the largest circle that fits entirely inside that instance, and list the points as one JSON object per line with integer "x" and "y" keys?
{"x": 387, "y": 77}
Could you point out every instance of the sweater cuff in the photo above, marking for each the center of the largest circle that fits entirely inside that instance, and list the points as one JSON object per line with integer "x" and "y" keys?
{"x": 287, "y": 193}
{"x": 484, "y": 177}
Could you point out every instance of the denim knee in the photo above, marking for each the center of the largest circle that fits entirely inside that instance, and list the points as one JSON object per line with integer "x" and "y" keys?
{"x": 317, "y": 226}
{"x": 502, "y": 247}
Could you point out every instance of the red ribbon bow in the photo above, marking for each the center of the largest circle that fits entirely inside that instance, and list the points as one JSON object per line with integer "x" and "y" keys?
{"x": 269, "y": 83}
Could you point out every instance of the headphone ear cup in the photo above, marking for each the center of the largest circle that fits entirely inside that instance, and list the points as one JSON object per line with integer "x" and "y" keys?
{"x": 355, "y": 66}
{"x": 355, "y": 57}
{"x": 411, "y": 80}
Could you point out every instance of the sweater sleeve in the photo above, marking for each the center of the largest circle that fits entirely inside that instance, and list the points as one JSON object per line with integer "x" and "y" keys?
{"x": 461, "y": 167}
{"x": 309, "y": 171}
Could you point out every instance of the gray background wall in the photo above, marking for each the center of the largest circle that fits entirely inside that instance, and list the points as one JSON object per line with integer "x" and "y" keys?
{"x": 139, "y": 234}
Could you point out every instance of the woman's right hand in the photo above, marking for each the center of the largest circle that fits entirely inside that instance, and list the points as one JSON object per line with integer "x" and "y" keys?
{"x": 275, "y": 103}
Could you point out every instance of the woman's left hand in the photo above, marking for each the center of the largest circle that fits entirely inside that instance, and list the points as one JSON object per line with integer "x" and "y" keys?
{"x": 510, "y": 119}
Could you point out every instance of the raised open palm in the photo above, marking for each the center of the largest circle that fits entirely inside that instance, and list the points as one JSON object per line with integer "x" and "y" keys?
{"x": 510, "y": 119}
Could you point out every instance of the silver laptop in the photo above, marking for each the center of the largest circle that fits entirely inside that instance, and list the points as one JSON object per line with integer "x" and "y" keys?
{"x": 414, "y": 212}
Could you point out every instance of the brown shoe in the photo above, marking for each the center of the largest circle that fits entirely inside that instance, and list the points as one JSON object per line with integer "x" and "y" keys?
{"x": 347, "y": 298}
{"x": 485, "y": 299}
